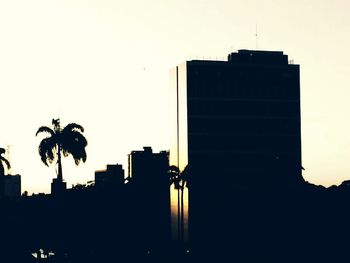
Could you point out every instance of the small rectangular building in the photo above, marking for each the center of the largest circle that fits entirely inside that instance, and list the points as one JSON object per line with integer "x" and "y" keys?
{"x": 112, "y": 177}
{"x": 12, "y": 186}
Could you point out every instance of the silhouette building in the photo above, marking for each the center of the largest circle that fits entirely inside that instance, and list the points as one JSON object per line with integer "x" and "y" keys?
{"x": 146, "y": 167}
{"x": 12, "y": 186}
{"x": 112, "y": 177}
{"x": 237, "y": 126}
{"x": 148, "y": 174}
{"x": 58, "y": 186}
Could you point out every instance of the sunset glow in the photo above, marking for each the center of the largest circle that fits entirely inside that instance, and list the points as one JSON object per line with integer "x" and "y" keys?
{"x": 105, "y": 65}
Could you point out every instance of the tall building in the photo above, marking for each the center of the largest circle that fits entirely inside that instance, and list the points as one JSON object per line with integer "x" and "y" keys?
{"x": 148, "y": 174}
{"x": 237, "y": 126}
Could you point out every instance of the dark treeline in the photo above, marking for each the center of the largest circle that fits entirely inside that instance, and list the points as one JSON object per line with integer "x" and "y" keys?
{"x": 304, "y": 223}
{"x": 299, "y": 223}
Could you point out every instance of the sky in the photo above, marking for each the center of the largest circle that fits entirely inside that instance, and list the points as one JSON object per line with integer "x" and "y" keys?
{"x": 105, "y": 65}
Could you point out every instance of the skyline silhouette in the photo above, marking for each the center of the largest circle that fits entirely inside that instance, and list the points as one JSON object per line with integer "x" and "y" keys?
{"x": 230, "y": 188}
{"x": 224, "y": 181}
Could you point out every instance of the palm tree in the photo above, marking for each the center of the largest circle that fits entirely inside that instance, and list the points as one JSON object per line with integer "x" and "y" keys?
{"x": 180, "y": 181}
{"x": 67, "y": 140}
{"x": 183, "y": 182}
{"x": 3, "y": 161}
{"x": 173, "y": 173}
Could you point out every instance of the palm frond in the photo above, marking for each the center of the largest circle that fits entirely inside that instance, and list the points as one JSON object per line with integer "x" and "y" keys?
{"x": 47, "y": 150}
{"x": 3, "y": 159}
{"x": 2, "y": 151}
{"x": 74, "y": 143}
{"x": 77, "y": 154}
{"x": 56, "y": 122}
{"x": 74, "y": 137}
{"x": 45, "y": 129}
{"x": 173, "y": 169}
{"x": 184, "y": 176}
{"x": 73, "y": 127}
{"x": 173, "y": 175}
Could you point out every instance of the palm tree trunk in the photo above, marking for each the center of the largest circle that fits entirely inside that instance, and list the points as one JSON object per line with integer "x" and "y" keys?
{"x": 59, "y": 162}
{"x": 178, "y": 216}
{"x": 182, "y": 215}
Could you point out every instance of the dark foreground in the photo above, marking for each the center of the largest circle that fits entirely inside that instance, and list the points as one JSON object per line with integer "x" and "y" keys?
{"x": 303, "y": 224}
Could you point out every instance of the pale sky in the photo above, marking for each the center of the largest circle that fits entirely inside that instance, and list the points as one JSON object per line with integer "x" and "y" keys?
{"x": 105, "y": 65}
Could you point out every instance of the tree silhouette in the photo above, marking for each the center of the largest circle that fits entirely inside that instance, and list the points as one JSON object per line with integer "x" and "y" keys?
{"x": 180, "y": 181}
{"x": 3, "y": 161}
{"x": 67, "y": 140}
{"x": 173, "y": 173}
{"x": 183, "y": 182}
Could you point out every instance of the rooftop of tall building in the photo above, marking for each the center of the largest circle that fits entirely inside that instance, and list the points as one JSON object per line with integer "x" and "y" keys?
{"x": 244, "y": 56}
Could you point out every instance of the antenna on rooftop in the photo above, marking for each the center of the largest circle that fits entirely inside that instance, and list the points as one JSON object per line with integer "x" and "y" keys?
{"x": 8, "y": 157}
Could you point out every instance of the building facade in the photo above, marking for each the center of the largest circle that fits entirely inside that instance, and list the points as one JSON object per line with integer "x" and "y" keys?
{"x": 148, "y": 174}
{"x": 237, "y": 126}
